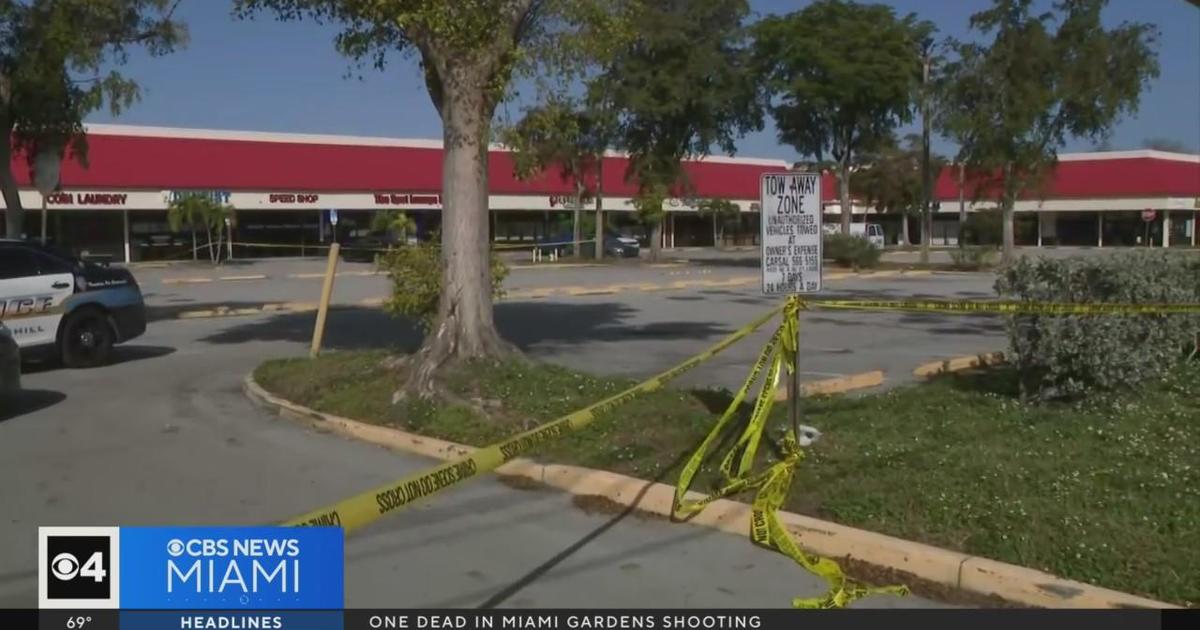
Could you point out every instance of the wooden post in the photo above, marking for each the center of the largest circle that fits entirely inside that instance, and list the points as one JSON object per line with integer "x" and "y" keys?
{"x": 326, "y": 294}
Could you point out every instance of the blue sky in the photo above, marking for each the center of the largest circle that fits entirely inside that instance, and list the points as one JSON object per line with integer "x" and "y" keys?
{"x": 285, "y": 76}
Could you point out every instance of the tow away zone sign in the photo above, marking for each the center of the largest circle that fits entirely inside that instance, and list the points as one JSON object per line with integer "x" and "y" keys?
{"x": 791, "y": 233}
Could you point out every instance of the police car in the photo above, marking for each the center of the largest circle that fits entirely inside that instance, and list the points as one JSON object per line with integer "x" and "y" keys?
{"x": 55, "y": 303}
{"x": 10, "y": 363}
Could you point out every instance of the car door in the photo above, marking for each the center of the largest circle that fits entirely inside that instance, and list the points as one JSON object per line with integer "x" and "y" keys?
{"x": 33, "y": 291}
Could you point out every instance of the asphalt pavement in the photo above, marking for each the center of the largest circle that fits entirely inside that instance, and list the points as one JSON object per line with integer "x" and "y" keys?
{"x": 165, "y": 436}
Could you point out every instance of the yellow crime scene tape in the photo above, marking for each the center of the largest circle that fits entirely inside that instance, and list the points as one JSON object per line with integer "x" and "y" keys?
{"x": 365, "y": 508}
{"x": 969, "y": 307}
{"x": 319, "y": 246}
{"x": 773, "y": 483}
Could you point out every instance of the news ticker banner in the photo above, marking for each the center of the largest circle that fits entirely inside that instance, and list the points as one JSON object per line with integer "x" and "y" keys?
{"x": 500, "y": 619}
{"x": 285, "y": 578}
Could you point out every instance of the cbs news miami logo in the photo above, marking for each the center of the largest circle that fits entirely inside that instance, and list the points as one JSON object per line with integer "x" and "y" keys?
{"x": 190, "y": 568}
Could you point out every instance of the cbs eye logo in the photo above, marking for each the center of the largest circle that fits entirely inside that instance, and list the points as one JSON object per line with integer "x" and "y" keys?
{"x": 77, "y": 568}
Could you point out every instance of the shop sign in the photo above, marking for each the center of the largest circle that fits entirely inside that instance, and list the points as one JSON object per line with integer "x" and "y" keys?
{"x": 86, "y": 199}
{"x": 293, "y": 198}
{"x": 570, "y": 202}
{"x": 216, "y": 196}
{"x": 391, "y": 199}
{"x": 425, "y": 200}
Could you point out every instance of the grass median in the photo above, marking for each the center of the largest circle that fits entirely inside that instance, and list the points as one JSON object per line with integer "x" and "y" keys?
{"x": 1105, "y": 491}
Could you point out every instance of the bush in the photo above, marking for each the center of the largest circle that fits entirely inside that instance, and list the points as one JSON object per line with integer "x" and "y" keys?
{"x": 851, "y": 251}
{"x": 1066, "y": 356}
{"x": 972, "y": 258}
{"x": 416, "y": 274}
{"x": 985, "y": 227}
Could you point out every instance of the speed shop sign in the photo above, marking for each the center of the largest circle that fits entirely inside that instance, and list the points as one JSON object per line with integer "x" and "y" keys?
{"x": 791, "y": 233}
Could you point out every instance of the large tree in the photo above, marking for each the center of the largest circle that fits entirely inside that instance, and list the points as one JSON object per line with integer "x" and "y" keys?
{"x": 468, "y": 51}
{"x": 1043, "y": 78}
{"x": 681, "y": 87}
{"x": 568, "y": 137}
{"x": 890, "y": 179}
{"x": 840, "y": 76}
{"x": 56, "y": 67}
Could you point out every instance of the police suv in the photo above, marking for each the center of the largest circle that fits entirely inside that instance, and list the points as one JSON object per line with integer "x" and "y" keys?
{"x": 75, "y": 310}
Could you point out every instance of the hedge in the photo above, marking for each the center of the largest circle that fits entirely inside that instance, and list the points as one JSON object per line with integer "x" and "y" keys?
{"x": 1068, "y": 356}
{"x": 855, "y": 252}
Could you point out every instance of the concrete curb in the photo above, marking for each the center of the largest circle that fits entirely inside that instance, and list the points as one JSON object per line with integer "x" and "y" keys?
{"x": 838, "y": 385}
{"x": 950, "y": 568}
{"x": 958, "y": 364}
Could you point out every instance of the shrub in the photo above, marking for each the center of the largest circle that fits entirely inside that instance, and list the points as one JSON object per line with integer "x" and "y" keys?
{"x": 972, "y": 258}
{"x": 416, "y": 274}
{"x": 1066, "y": 356}
{"x": 985, "y": 227}
{"x": 851, "y": 251}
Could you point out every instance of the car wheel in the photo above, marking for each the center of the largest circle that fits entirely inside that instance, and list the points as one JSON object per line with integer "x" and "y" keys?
{"x": 87, "y": 339}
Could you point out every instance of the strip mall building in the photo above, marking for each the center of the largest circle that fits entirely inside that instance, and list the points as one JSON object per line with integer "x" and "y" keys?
{"x": 283, "y": 186}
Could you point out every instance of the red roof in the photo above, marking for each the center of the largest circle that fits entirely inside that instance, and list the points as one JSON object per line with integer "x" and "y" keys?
{"x": 124, "y": 157}
{"x": 1142, "y": 174}
{"x": 157, "y": 162}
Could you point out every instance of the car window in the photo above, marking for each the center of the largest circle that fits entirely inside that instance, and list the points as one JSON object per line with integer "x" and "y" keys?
{"x": 49, "y": 265}
{"x": 17, "y": 262}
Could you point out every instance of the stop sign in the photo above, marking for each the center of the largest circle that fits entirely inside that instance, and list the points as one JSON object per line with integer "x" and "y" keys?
{"x": 1148, "y": 215}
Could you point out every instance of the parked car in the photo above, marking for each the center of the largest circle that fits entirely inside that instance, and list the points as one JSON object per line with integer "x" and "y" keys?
{"x": 10, "y": 362}
{"x": 615, "y": 246}
{"x": 53, "y": 302}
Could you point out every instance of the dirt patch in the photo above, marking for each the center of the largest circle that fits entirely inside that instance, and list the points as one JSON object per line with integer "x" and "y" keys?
{"x": 876, "y": 575}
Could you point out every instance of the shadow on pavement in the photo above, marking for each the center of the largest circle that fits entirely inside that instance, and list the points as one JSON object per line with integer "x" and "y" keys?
{"x": 121, "y": 354}
{"x": 28, "y": 401}
{"x": 740, "y": 262}
{"x": 524, "y": 323}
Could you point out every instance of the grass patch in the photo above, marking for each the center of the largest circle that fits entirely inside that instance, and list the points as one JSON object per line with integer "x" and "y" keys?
{"x": 1105, "y": 491}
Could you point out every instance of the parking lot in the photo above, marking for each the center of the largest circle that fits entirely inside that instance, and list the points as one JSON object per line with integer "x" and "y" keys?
{"x": 166, "y": 436}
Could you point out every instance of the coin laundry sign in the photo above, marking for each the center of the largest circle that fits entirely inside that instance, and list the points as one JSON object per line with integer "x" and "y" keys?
{"x": 791, "y": 233}
{"x": 87, "y": 199}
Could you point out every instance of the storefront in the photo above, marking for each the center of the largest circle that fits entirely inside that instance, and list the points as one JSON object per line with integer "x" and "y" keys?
{"x": 292, "y": 193}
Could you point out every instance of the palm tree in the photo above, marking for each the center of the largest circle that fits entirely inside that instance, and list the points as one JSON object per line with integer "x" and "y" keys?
{"x": 396, "y": 222}
{"x": 201, "y": 211}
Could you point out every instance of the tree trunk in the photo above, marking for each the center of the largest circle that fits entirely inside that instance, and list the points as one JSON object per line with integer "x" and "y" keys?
{"x": 926, "y": 167}
{"x": 844, "y": 197}
{"x": 656, "y": 235}
{"x": 212, "y": 256}
{"x": 577, "y": 217}
{"x": 14, "y": 213}
{"x": 1010, "y": 198}
{"x": 600, "y": 208}
{"x": 195, "y": 248}
{"x": 465, "y": 328}
{"x": 904, "y": 237}
{"x": 716, "y": 243}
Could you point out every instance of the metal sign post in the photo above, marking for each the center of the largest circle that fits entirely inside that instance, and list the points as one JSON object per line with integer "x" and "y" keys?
{"x": 46, "y": 173}
{"x": 791, "y": 226}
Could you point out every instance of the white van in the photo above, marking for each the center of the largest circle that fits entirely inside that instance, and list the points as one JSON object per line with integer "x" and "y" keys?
{"x": 873, "y": 232}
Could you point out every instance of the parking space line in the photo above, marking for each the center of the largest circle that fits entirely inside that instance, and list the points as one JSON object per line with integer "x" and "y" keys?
{"x": 241, "y": 278}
